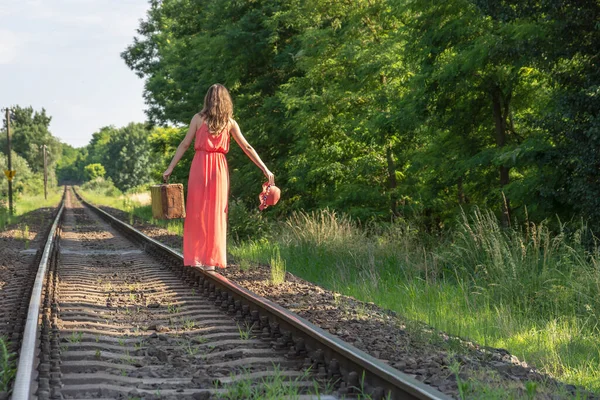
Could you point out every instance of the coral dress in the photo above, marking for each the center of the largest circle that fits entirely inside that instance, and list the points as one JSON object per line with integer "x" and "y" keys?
{"x": 205, "y": 226}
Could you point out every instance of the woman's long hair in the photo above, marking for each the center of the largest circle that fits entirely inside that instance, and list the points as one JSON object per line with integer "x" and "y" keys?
{"x": 218, "y": 108}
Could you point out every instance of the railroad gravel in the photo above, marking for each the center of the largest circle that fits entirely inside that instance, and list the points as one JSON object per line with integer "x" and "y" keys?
{"x": 130, "y": 327}
{"x": 19, "y": 244}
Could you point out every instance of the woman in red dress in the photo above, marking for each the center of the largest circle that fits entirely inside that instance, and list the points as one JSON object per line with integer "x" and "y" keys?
{"x": 205, "y": 226}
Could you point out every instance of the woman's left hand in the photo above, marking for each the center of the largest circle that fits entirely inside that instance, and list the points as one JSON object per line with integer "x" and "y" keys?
{"x": 167, "y": 174}
{"x": 270, "y": 177}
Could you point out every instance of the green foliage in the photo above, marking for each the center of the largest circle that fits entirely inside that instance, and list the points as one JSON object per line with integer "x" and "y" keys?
{"x": 244, "y": 223}
{"x": 479, "y": 82}
{"x": 93, "y": 171}
{"x": 144, "y": 188}
{"x": 245, "y": 45}
{"x": 124, "y": 154}
{"x": 362, "y": 106}
{"x": 128, "y": 160}
{"x": 102, "y": 186}
{"x": 574, "y": 119}
{"x": 30, "y": 130}
{"x": 69, "y": 168}
{"x": 164, "y": 142}
{"x": 8, "y": 368}
{"x": 25, "y": 181}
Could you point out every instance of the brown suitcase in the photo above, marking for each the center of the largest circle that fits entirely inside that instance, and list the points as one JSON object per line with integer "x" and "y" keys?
{"x": 167, "y": 201}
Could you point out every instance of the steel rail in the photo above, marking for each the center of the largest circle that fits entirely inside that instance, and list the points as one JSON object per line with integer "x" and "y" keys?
{"x": 25, "y": 369}
{"x": 358, "y": 368}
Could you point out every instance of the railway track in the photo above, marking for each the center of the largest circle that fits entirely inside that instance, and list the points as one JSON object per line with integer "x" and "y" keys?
{"x": 117, "y": 316}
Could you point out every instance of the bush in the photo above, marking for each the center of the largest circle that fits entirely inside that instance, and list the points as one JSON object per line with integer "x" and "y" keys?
{"x": 144, "y": 188}
{"x": 246, "y": 224}
{"x": 101, "y": 185}
{"x": 94, "y": 171}
{"x": 24, "y": 182}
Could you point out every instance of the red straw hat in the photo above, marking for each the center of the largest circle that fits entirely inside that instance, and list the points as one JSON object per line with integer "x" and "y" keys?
{"x": 269, "y": 196}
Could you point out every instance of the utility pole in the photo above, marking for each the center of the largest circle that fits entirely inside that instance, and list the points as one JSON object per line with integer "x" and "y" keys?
{"x": 9, "y": 173}
{"x": 45, "y": 174}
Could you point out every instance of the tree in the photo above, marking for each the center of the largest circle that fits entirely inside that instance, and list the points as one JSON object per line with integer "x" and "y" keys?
{"x": 574, "y": 118}
{"x": 476, "y": 67}
{"x": 164, "y": 142}
{"x": 128, "y": 160}
{"x": 30, "y": 130}
{"x": 341, "y": 109}
{"x": 184, "y": 47}
{"x": 98, "y": 146}
{"x": 69, "y": 168}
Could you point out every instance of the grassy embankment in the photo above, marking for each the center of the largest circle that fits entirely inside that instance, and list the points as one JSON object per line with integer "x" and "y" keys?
{"x": 24, "y": 204}
{"x": 528, "y": 290}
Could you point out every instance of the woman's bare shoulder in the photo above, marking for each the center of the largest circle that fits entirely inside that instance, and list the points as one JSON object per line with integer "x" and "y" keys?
{"x": 196, "y": 121}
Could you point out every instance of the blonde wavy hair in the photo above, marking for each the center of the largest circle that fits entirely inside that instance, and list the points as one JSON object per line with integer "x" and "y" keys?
{"x": 218, "y": 108}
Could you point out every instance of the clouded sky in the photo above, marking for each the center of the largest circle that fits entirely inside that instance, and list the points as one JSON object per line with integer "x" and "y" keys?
{"x": 64, "y": 55}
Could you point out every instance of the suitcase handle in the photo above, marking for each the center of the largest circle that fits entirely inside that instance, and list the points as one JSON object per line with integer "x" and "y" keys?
{"x": 165, "y": 179}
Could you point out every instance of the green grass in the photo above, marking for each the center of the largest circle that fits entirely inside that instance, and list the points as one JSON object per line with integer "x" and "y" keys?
{"x": 24, "y": 204}
{"x": 529, "y": 290}
{"x": 245, "y": 331}
{"x": 277, "y": 265}
{"x": 532, "y": 292}
{"x": 8, "y": 369}
{"x": 270, "y": 388}
{"x": 75, "y": 337}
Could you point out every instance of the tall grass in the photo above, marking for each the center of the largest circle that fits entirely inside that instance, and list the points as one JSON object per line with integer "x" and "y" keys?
{"x": 536, "y": 272}
{"x": 277, "y": 268}
{"x": 7, "y": 366}
{"x": 532, "y": 291}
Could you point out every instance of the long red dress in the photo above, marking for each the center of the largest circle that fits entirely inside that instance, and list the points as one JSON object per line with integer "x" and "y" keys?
{"x": 205, "y": 226}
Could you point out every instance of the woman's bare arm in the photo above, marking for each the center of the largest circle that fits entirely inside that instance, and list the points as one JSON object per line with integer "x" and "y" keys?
{"x": 183, "y": 146}
{"x": 250, "y": 152}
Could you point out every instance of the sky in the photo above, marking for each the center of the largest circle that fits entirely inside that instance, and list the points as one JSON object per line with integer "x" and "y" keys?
{"x": 64, "y": 56}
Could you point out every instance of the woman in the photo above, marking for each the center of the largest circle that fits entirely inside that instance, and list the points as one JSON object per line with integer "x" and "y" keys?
{"x": 205, "y": 227}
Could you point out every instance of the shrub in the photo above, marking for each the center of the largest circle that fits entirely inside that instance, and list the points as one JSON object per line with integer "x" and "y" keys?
{"x": 101, "y": 185}
{"x": 246, "y": 224}
{"x": 93, "y": 171}
{"x": 144, "y": 188}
